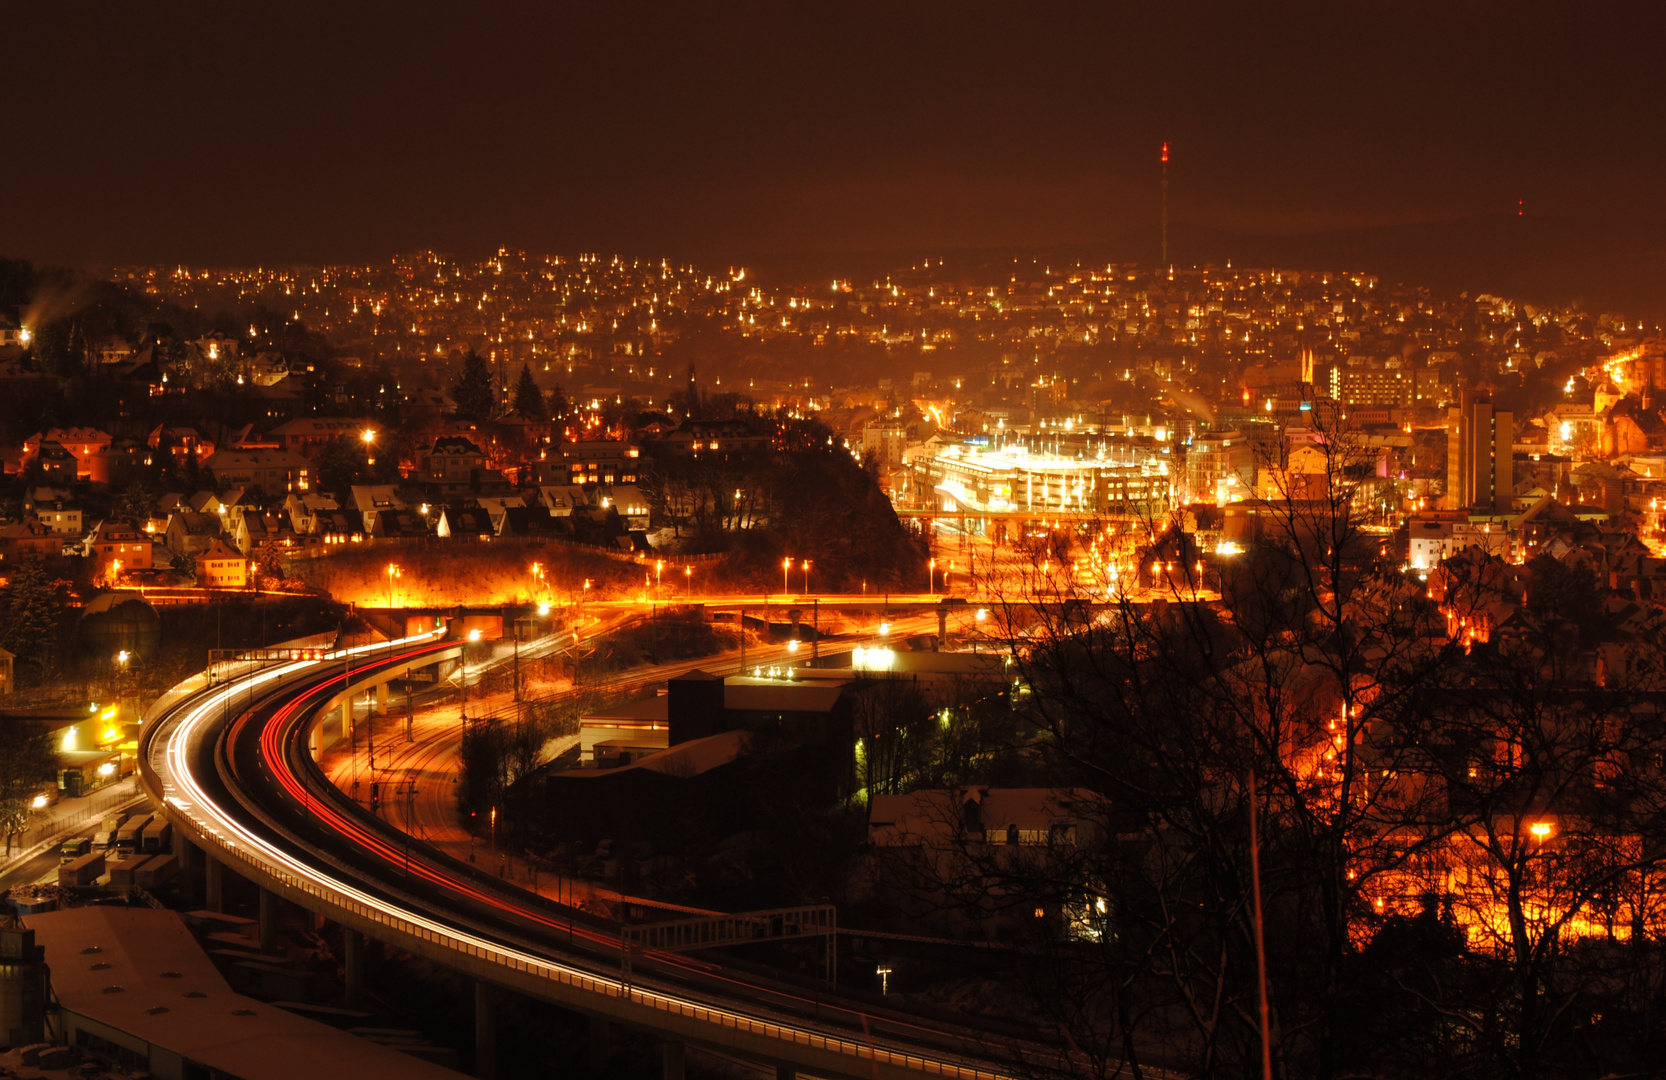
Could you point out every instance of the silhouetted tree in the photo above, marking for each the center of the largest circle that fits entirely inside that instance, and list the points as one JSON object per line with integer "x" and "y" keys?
{"x": 473, "y": 389}
{"x": 26, "y": 764}
{"x": 30, "y": 629}
{"x": 529, "y": 400}
{"x": 341, "y": 464}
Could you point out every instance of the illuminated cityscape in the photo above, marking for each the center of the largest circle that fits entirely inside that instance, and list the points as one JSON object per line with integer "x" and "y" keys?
{"x": 871, "y": 545}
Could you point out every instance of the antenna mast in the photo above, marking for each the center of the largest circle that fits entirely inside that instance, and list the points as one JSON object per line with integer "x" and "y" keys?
{"x": 1165, "y": 204}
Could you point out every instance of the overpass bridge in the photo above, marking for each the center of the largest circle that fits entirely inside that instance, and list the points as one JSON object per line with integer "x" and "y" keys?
{"x": 232, "y": 766}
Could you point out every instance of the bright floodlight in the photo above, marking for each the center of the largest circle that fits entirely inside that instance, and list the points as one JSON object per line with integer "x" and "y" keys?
{"x": 368, "y": 435}
{"x": 474, "y": 635}
{"x": 543, "y": 609}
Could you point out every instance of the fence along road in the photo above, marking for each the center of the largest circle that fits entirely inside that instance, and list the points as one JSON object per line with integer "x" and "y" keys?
{"x": 229, "y": 768}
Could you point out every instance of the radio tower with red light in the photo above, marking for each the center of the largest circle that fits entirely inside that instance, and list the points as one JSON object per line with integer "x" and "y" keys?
{"x": 1165, "y": 204}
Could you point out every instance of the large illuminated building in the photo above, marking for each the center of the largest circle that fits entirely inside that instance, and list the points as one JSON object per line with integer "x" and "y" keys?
{"x": 1014, "y": 480}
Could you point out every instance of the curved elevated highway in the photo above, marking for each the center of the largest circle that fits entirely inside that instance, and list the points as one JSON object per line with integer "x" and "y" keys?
{"x": 231, "y": 767}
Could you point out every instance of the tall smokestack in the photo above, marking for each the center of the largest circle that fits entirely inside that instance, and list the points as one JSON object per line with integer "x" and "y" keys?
{"x": 1165, "y": 204}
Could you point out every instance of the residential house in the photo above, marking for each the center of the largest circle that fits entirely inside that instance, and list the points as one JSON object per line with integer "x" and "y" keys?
{"x": 495, "y": 505}
{"x": 992, "y": 817}
{"x": 333, "y": 527}
{"x": 601, "y": 461}
{"x": 190, "y": 534}
{"x": 399, "y": 525}
{"x": 465, "y": 522}
{"x": 302, "y": 508}
{"x": 80, "y": 442}
{"x": 368, "y": 500}
{"x": 307, "y": 435}
{"x": 630, "y": 504}
{"x": 259, "y": 534}
{"x": 28, "y": 539}
{"x": 57, "y": 465}
{"x": 124, "y": 462}
{"x": 530, "y": 522}
{"x": 562, "y": 500}
{"x": 117, "y": 546}
{"x": 55, "y": 509}
{"x": 274, "y": 472}
{"x": 58, "y": 514}
{"x": 115, "y": 350}
{"x": 454, "y": 464}
{"x": 221, "y": 566}
{"x": 182, "y": 442}
{"x": 713, "y": 438}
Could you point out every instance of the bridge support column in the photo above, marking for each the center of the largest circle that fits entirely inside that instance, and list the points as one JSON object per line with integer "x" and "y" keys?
{"x": 187, "y": 865}
{"x": 353, "y": 965}
{"x": 346, "y": 715}
{"x": 214, "y": 885}
{"x": 673, "y": 1061}
{"x": 485, "y": 1032}
{"x": 942, "y": 630}
{"x": 382, "y": 698}
{"x": 268, "y": 920}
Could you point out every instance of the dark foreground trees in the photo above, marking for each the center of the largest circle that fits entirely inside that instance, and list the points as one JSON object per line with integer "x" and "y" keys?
{"x": 1461, "y": 829}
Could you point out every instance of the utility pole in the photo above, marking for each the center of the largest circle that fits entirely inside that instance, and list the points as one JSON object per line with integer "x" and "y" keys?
{"x": 1260, "y": 939}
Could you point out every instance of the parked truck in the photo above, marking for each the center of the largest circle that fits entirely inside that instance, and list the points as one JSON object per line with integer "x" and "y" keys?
{"x": 157, "y": 837}
{"x": 84, "y": 871}
{"x": 157, "y": 870}
{"x": 105, "y": 838}
{"x": 122, "y": 872}
{"x": 127, "y": 839}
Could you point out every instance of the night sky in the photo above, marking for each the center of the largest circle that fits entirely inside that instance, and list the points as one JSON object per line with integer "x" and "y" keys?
{"x": 312, "y": 132}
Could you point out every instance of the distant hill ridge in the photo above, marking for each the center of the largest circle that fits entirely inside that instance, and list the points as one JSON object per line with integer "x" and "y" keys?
{"x": 1603, "y": 263}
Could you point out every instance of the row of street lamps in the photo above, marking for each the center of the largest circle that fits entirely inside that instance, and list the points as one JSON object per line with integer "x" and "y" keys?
{"x": 786, "y": 566}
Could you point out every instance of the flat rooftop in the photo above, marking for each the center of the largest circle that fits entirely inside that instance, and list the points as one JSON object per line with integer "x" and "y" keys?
{"x": 140, "y": 972}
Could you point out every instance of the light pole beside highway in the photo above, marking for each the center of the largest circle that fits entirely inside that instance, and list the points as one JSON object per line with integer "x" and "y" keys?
{"x": 393, "y": 572}
{"x": 463, "y": 654}
{"x": 786, "y": 567}
{"x": 806, "y": 565}
{"x": 931, "y": 577}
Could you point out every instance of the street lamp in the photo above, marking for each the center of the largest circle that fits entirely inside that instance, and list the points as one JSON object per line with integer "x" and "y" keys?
{"x": 369, "y": 437}
{"x": 931, "y": 577}
{"x": 393, "y": 572}
{"x": 806, "y": 577}
{"x": 659, "y": 568}
{"x": 688, "y": 580}
{"x": 786, "y": 565}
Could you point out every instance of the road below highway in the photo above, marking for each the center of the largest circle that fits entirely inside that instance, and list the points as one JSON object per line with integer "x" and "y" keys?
{"x": 417, "y": 777}
{"x": 231, "y": 767}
